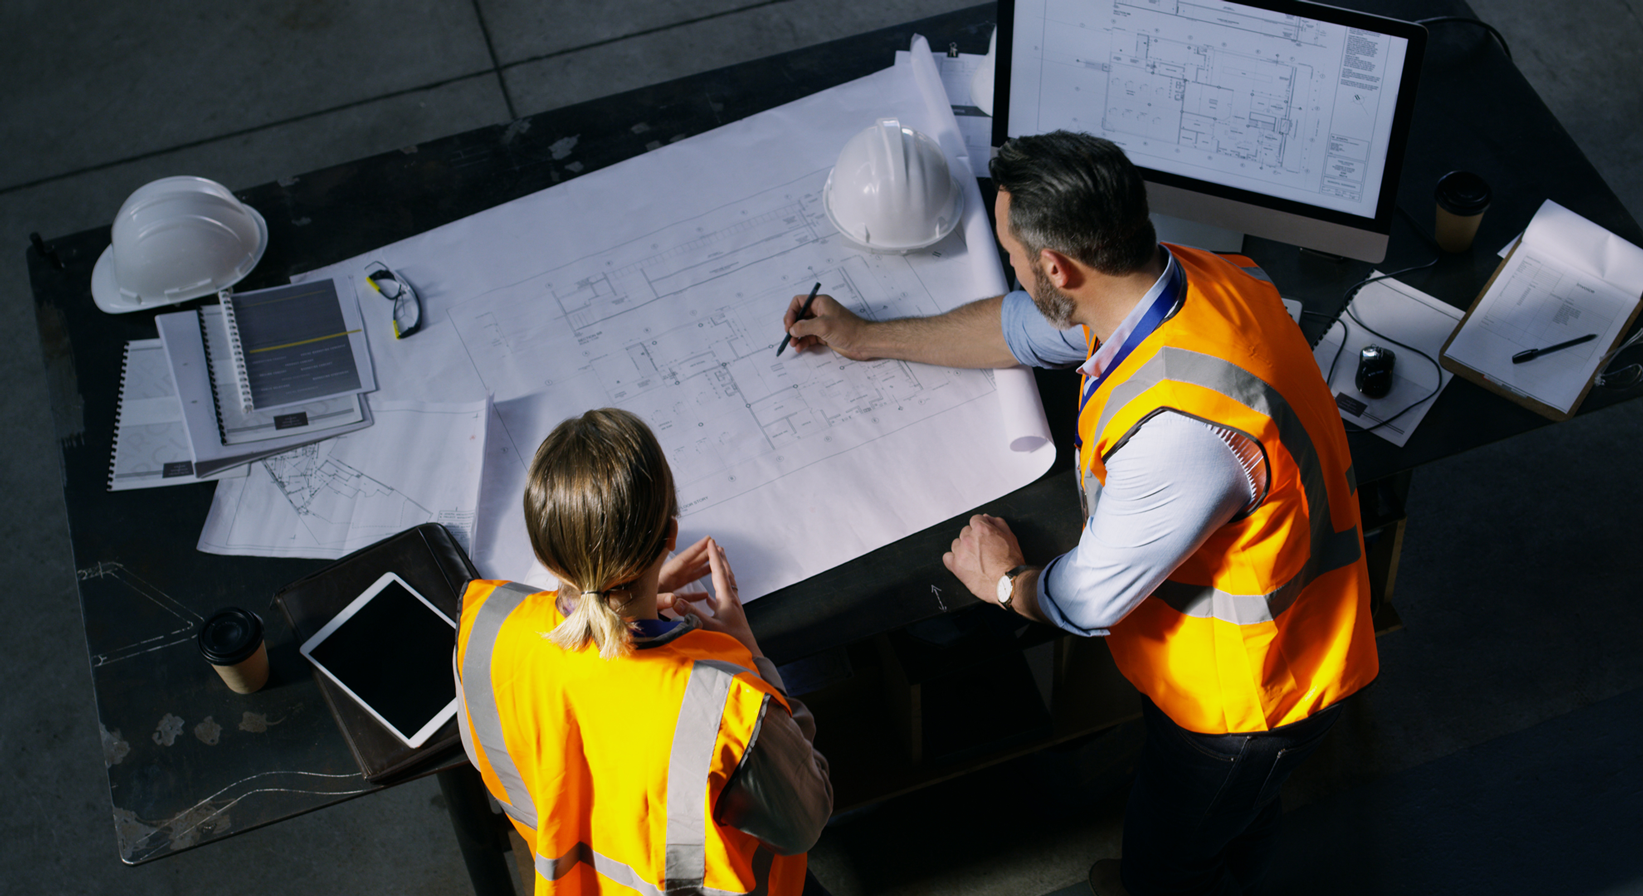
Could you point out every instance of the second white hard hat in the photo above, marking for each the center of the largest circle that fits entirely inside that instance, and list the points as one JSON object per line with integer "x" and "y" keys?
{"x": 175, "y": 239}
{"x": 891, "y": 190}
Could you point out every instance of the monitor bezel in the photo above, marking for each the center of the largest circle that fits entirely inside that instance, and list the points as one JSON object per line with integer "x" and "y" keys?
{"x": 1230, "y": 207}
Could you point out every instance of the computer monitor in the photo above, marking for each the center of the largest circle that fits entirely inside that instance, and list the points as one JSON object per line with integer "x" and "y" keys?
{"x": 1278, "y": 118}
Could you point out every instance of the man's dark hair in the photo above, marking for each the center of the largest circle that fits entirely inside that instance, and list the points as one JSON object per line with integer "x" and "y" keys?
{"x": 1078, "y": 195}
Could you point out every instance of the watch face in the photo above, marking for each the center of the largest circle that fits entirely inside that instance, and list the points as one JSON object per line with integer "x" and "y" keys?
{"x": 1006, "y": 586}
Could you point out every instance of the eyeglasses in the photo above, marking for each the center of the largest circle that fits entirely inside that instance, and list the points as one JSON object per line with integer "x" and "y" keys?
{"x": 407, "y": 307}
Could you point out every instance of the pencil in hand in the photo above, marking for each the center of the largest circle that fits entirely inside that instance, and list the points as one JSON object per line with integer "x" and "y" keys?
{"x": 788, "y": 337}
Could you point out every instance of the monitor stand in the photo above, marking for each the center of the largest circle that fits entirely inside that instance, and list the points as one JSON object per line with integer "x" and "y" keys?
{"x": 1199, "y": 236}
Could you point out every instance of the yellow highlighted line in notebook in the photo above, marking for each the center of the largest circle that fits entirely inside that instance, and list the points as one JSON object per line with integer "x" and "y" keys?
{"x": 270, "y": 348}
{"x": 274, "y": 300}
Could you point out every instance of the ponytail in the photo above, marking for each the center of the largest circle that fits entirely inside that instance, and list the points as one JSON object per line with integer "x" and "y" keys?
{"x": 594, "y": 619}
{"x": 598, "y": 503}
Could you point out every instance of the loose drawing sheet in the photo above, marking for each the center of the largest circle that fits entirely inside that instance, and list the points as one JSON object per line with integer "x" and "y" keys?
{"x": 1410, "y": 316}
{"x": 658, "y": 285}
{"x": 1566, "y": 278}
{"x": 418, "y": 463}
{"x": 974, "y": 125}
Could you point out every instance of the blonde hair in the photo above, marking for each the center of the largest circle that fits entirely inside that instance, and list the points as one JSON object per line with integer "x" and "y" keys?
{"x": 597, "y": 506}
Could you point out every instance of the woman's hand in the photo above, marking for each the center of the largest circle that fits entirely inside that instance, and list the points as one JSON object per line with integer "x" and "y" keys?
{"x": 684, "y": 567}
{"x": 724, "y": 606}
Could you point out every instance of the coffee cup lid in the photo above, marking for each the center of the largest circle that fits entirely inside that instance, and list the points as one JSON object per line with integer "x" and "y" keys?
{"x": 230, "y": 636}
{"x": 1462, "y": 193}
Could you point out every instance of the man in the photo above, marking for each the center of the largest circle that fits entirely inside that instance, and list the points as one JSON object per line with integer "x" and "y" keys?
{"x": 1221, "y": 556}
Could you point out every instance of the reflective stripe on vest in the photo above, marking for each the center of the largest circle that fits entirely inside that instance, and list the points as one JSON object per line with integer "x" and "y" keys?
{"x": 695, "y": 737}
{"x": 479, "y": 701}
{"x": 611, "y": 869}
{"x": 1331, "y": 550}
{"x": 687, "y": 768}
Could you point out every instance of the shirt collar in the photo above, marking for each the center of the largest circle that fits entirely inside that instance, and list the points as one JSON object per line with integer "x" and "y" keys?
{"x": 1109, "y": 347}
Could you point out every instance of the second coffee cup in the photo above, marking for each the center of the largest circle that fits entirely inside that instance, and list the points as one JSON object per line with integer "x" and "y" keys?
{"x": 231, "y": 641}
{"x": 1462, "y": 198}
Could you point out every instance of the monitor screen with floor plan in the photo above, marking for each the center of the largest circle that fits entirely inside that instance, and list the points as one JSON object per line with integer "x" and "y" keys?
{"x": 1280, "y": 119}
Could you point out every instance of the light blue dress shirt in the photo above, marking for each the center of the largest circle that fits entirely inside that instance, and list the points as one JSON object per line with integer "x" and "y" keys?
{"x": 1168, "y": 488}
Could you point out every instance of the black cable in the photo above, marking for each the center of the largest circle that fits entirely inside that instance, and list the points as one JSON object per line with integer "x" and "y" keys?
{"x": 1605, "y": 377}
{"x": 1412, "y": 405}
{"x": 1471, "y": 21}
{"x": 1351, "y": 292}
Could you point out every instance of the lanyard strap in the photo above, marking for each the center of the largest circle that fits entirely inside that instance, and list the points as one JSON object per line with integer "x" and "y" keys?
{"x": 1159, "y": 311}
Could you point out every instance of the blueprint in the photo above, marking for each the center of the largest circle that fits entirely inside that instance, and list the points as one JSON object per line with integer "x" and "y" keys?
{"x": 419, "y": 463}
{"x": 1274, "y": 103}
{"x": 677, "y": 327}
{"x": 658, "y": 285}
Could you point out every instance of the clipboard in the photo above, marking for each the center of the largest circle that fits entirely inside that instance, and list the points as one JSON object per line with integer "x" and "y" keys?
{"x": 1506, "y": 391}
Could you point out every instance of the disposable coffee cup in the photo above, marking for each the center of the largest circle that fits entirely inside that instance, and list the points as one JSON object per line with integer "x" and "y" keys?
{"x": 231, "y": 641}
{"x": 1462, "y": 198}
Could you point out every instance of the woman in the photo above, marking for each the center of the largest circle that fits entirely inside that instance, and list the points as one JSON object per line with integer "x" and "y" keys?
{"x": 633, "y": 752}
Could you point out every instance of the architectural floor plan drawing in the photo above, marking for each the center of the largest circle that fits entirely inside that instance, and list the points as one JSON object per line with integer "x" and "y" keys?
{"x": 681, "y": 328}
{"x": 1231, "y": 104}
{"x": 658, "y": 285}
{"x": 416, "y": 464}
{"x": 1272, "y": 102}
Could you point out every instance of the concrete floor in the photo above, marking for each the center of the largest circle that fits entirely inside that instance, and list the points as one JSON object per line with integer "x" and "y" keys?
{"x": 1497, "y": 752}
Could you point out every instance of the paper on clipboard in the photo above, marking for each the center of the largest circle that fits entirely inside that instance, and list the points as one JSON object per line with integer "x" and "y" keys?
{"x": 1566, "y": 278}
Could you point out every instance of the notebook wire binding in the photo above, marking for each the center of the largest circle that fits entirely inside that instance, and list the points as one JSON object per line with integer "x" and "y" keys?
{"x": 242, "y": 379}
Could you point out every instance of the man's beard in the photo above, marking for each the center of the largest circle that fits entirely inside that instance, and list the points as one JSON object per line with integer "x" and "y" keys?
{"x": 1056, "y": 306}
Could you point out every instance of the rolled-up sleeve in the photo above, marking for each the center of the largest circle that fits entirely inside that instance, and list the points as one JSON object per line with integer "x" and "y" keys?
{"x": 1168, "y": 488}
{"x": 1031, "y": 338}
{"x": 780, "y": 793}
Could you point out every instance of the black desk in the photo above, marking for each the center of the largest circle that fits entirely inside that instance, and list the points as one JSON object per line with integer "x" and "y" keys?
{"x": 144, "y": 589}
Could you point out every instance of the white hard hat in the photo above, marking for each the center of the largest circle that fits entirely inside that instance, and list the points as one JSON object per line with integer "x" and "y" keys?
{"x": 892, "y": 191}
{"x": 175, "y": 239}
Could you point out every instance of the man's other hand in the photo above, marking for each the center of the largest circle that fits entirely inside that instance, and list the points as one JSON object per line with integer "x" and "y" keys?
{"x": 983, "y": 552}
{"x": 829, "y": 325}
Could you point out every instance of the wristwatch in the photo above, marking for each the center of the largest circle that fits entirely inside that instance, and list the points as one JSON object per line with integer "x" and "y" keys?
{"x": 1006, "y": 585}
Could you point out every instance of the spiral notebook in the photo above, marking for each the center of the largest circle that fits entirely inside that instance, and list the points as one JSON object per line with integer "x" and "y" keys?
{"x": 237, "y": 426}
{"x": 180, "y": 333}
{"x": 150, "y": 440}
{"x": 293, "y": 345}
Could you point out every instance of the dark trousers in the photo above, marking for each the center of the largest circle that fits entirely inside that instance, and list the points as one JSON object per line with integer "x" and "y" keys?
{"x": 1203, "y": 814}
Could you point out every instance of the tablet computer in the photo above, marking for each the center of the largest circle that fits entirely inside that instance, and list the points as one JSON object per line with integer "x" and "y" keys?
{"x": 390, "y": 650}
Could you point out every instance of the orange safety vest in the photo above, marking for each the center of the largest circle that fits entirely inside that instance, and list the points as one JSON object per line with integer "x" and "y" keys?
{"x": 1268, "y": 621}
{"x": 610, "y": 769}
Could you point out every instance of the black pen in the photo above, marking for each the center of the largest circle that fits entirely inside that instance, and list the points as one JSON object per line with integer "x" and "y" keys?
{"x": 1533, "y": 353}
{"x": 788, "y": 337}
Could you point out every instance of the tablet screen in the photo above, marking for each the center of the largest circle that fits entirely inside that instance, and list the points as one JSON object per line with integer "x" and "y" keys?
{"x": 394, "y": 654}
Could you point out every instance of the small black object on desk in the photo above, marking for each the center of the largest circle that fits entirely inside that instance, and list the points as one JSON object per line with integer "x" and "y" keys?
{"x": 1374, "y": 377}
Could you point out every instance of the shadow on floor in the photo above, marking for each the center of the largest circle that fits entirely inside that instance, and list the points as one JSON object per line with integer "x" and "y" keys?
{"x": 1554, "y": 808}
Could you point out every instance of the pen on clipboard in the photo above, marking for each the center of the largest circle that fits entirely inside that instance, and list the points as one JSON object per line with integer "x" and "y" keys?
{"x": 1533, "y": 353}
{"x": 788, "y": 337}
